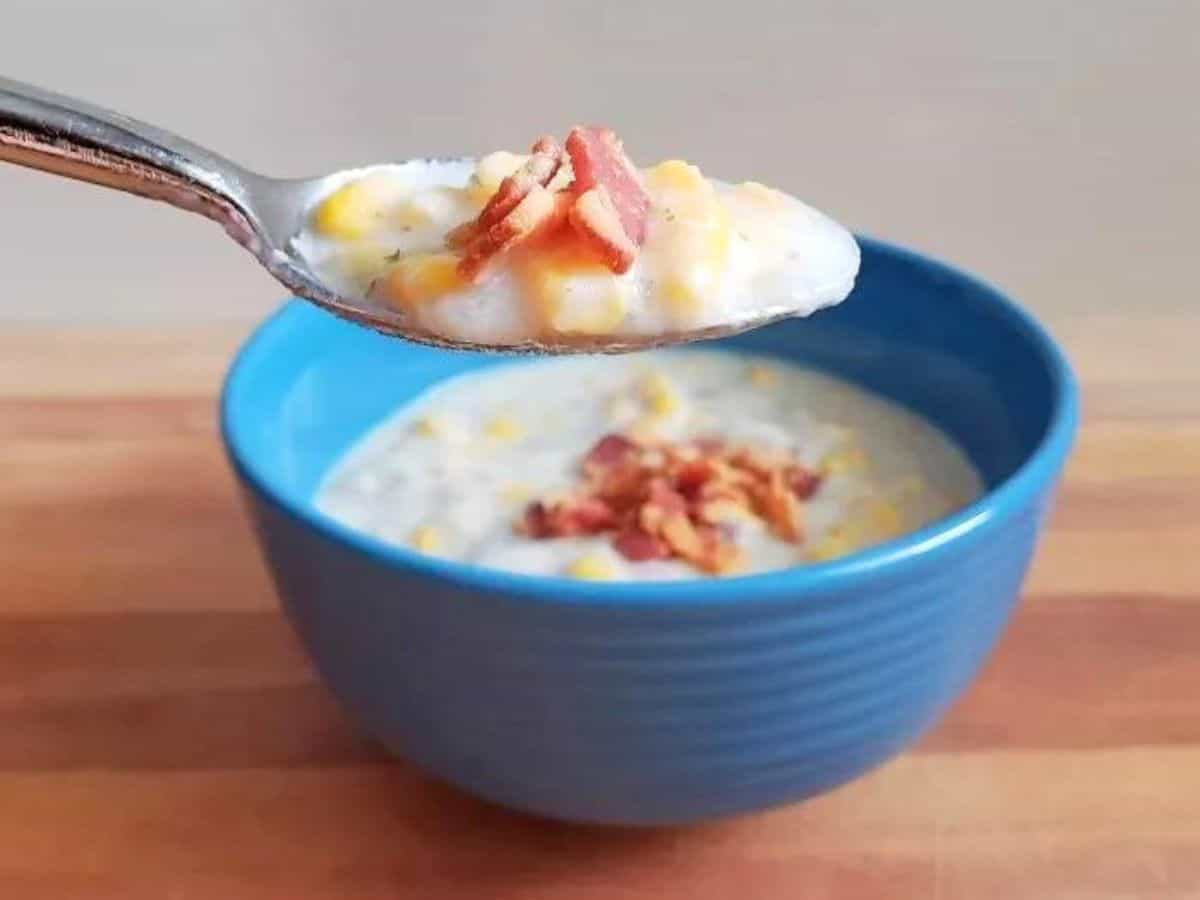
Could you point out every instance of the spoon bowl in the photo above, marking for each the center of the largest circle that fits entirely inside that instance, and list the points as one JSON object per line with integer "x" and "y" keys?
{"x": 69, "y": 137}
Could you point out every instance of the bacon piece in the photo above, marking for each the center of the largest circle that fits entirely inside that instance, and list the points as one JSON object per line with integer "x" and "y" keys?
{"x": 599, "y": 160}
{"x": 691, "y": 476}
{"x": 537, "y": 171}
{"x": 681, "y": 536}
{"x": 719, "y": 511}
{"x": 778, "y": 505}
{"x": 720, "y": 495}
{"x": 538, "y": 214}
{"x": 608, "y": 451}
{"x": 638, "y": 546}
{"x": 701, "y": 545}
{"x": 803, "y": 482}
{"x": 663, "y": 500}
{"x": 728, "y": 474}
{"x": 623, "y": 486}
{"x": 590, "y": 516}
{"x": 598, "y": 224}
{"x": 721, "y": 555}
{"x": 660, "y": 502}
{"x": 661, "y": 493}
{"x": 709, "y": 446}
{"x": 566, "y": 518}
{"x": 535, "y": 522}
{"x": 759, "y": 463}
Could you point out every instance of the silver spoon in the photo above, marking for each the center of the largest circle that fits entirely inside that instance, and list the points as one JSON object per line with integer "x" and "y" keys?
{"x": 70, "y": 137}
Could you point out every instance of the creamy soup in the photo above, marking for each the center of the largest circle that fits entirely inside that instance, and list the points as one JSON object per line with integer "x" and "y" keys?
{"x": 574, "y": 244}
{"x": 667, "y": 465}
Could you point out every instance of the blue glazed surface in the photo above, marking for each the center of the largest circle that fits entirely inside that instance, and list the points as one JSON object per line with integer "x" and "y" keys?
{"x": 670, "y": 702}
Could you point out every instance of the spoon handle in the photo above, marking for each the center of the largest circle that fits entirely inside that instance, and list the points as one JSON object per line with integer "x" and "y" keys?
{"x": 58, "y": 134}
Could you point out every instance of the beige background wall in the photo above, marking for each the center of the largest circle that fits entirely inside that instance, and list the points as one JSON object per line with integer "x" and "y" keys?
{"x": 1052, "y": 146}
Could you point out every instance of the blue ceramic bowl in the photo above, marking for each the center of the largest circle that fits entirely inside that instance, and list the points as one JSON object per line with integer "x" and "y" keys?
{"x": 671, "y": 702}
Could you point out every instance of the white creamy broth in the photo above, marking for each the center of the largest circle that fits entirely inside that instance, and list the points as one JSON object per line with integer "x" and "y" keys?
{"x": 450, "y": 473}
{"x": 715, "y": 254}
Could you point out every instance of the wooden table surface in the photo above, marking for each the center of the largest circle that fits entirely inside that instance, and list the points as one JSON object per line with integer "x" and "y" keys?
{"x": 161, "y": 735}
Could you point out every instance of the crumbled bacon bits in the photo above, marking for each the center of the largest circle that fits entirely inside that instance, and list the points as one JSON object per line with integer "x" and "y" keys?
{"x": 598, "y": 159}
{"x": 538, "y": 214}
{"x": 662, "y": 500}
{"x": 544, "y": 161}
{"x": 603, "y": 207}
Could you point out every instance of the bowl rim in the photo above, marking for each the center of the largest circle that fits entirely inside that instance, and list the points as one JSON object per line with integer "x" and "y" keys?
{"x": 923, "y": 546}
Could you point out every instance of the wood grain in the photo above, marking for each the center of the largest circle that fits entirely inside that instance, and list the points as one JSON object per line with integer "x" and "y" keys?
{"x": 161, "y": 735}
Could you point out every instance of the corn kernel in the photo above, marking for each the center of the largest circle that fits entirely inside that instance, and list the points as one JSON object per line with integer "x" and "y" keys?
{"x": 512, "y": 494}
{"x": 683, "y": 299}
{"x": 352, "y": 211}
{"x": 502, "y": 428}
{"x": 477, "y": 193}
{"x": 763, "y": 377}
{"x": 490, "y": 171}
{"x": 430, "y": 426}
{"x": 840, "y": 462}
{"x": 674, "y": 174}
{"x": 591, "y": 568}
{"x": 682, "y": 194}
{"x": 696, "y": 256}
{"x": 426, "y": 539}
{"x": 575, "y": 292}
{"x": 883, "y": 520}
{"x": 601, "y": 314}
{"x": 832, "y": 544}
{"x": 693, "y": 237}
{"x": 659, "y": 394}
{"x": 877, "y": 521}
{"x": 420, "y": 277}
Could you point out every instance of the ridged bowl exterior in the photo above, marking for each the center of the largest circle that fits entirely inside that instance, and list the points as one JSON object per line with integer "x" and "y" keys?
{"x": 645, "y": 704}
